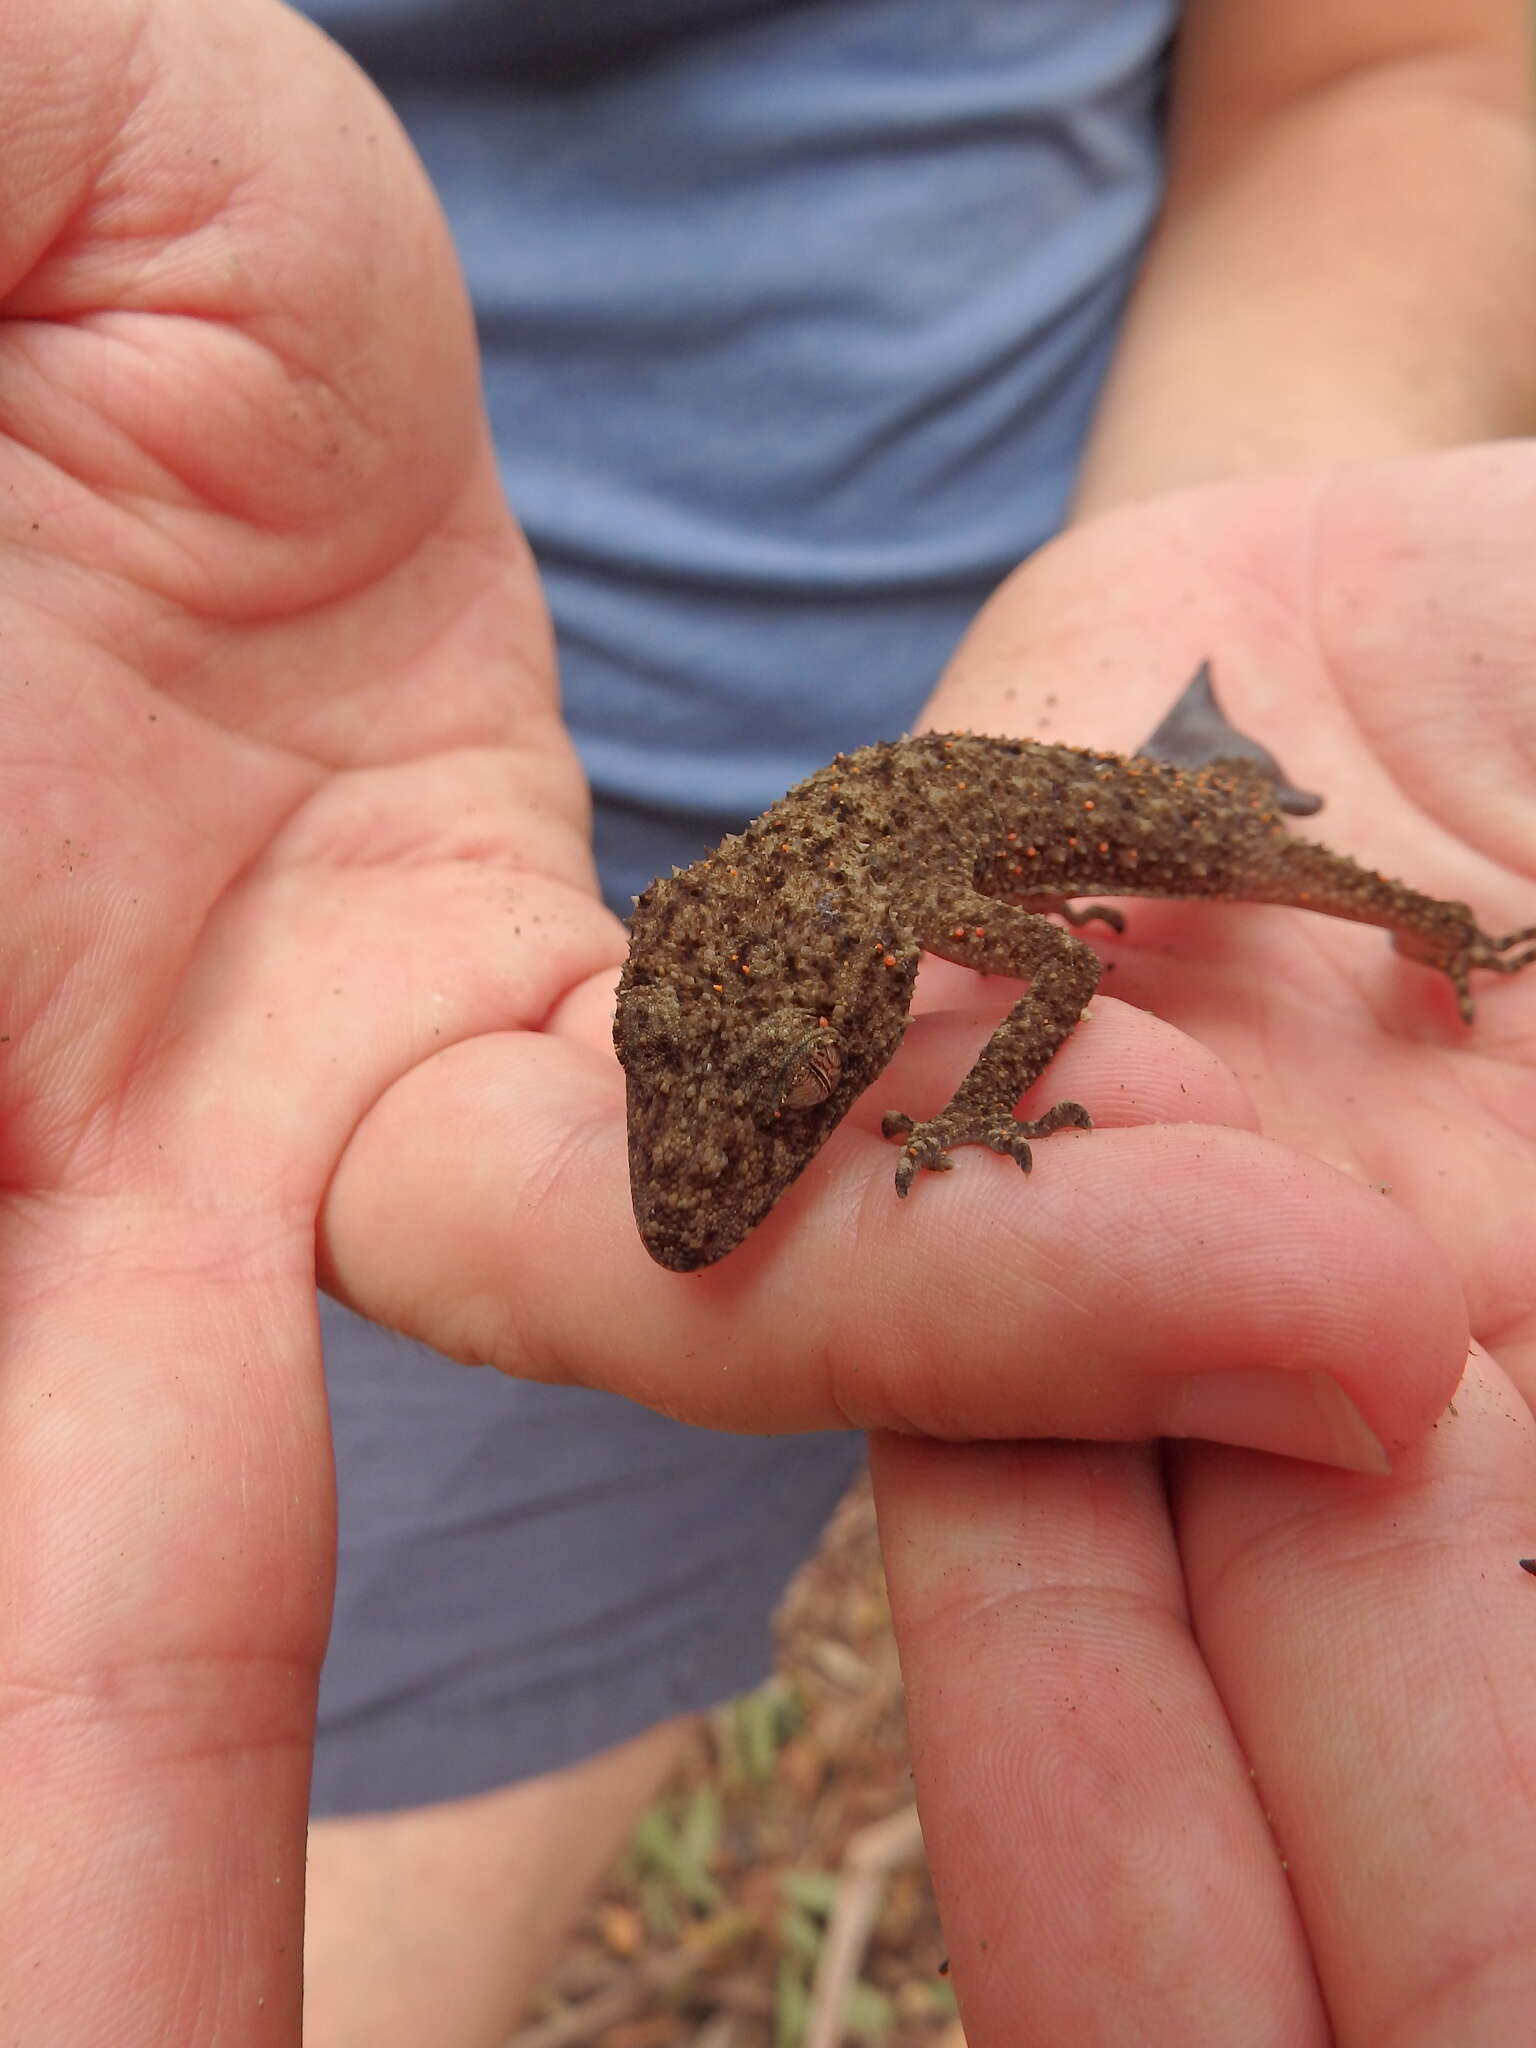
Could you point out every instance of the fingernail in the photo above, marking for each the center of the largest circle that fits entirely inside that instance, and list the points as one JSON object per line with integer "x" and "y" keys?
{"x": 1298, "y": 1414}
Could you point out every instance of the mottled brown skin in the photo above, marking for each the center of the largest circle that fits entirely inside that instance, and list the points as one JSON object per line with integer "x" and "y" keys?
{"x": 768, "y": 984}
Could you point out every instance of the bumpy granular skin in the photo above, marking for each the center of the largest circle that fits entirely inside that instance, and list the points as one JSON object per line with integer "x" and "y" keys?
{"x": 768, "y": 984}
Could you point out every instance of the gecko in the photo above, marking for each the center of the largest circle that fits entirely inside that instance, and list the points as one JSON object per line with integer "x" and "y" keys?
{"x": 768, "y": 984}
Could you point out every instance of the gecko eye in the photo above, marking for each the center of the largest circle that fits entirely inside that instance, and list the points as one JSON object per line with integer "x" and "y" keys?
{"x": 812, "y": 1071}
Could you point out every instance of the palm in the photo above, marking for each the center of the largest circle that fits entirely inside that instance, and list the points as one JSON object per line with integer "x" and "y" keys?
{"x": 317, "y": 676}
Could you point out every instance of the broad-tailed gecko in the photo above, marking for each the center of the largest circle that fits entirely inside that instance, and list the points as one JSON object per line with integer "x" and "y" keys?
{"x": 769, "y": 983}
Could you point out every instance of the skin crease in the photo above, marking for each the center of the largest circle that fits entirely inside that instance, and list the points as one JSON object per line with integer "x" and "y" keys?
{"x": 299, "y": 950}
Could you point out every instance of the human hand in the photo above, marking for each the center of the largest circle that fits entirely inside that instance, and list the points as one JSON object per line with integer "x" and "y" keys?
{"x": 285, "y": 806}
{"x": 1214, "y": 1747}
{"x": 300, "y": 945}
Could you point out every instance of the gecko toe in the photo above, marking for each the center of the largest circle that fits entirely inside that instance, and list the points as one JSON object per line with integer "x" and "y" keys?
{"x": 920, "y": 1155}
{"x": 1509, "y": 955}
{"x": 1504, "y": 959}
{"x": 1094, "y": 913}
{"x": 923, "y": 1149}
{"x": 1013, "y": 1137}
{"x": 1056, "y": 1118}
{"x": 1012, "y": 1140}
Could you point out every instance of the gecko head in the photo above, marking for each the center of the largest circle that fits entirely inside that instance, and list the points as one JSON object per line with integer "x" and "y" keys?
{"x": 745, "y": 1034}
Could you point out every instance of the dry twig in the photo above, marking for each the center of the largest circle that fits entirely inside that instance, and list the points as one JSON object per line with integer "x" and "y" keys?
{"x": 871, "y": 1855}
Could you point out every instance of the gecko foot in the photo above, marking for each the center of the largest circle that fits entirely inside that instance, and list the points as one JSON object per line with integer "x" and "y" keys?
{"x": 1495, "y": 956}
{"x": 1454, "y": 943}
{"x": 926, "y": 1146}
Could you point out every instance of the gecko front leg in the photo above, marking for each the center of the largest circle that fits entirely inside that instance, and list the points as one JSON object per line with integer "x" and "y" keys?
{"x": 998, "y": 938}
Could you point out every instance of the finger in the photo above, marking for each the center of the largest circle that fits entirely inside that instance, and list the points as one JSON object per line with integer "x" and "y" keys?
{"x": 1179, "y": 1280}
{"x": 166, "y": 1545}
{"x": 1103, "y": 1865}
{"x": 1375, "y": 1644}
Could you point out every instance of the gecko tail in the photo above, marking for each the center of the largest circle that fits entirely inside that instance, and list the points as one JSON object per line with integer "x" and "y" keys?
{"x": 1197, "y": 733}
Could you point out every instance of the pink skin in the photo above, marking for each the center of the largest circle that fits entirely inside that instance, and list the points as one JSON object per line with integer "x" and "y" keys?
{"x": 300, "y": 949}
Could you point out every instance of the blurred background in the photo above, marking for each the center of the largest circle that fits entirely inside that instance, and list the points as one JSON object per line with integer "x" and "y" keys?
{"x": 776, "y": 1895}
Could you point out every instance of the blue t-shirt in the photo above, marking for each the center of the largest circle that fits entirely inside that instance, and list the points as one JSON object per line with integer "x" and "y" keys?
{"x": 793, "y": 314}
